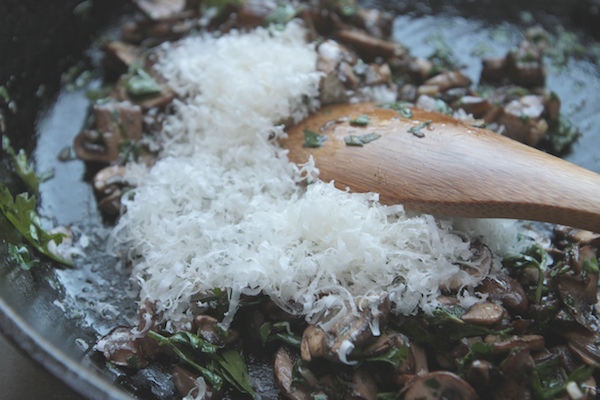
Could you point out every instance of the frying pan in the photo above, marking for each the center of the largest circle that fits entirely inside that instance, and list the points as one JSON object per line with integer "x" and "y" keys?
{"x": 47, "y": 312}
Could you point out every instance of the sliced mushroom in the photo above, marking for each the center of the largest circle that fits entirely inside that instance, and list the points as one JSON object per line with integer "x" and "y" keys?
{"x": 504, "y": 345}
{"x": 283, "y": 367}
{"x": 368, "y": 47}
{"x": 507, "y": 290}
{"x": 439, "y": 385}
{"x": 115, "y": 122}
{"x": 474, "y": 105}
{"x": 122, "y": 347}
{"x": 485, "y": 313}
{"x": 516, "y": 375}
{"x": 446, "y": 80}
{"x": 253, "y": 13}
{"x": 523, "y": 120}
{"x": 349, "y": 332}
{"x": 584, "y": 345}
{"x": 363, "y": 385}
{"x": 121, "y": 55}
{"x": 494, "y": 69}
{"x": 207, "y": 328}
{"x": 525, "y": 66}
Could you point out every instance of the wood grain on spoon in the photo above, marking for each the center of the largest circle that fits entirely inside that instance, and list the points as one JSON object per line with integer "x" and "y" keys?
{"x": 450, "y": 168}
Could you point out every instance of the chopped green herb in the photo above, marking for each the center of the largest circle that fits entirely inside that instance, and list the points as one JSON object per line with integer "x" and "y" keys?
{"x": 23, "y": 168}
{"x": 139, "y": 83}
{"x": 395, "y": 356}
{"x": 360, "y": 140}
{"x": 402, "y": 107}
{"x": 416, "y": 130}
{"x": 279, "y": 331}
{"x": 213, "y": 378}
{"x": 534, "y": 257}
{"x": 443, "y": 108}
{"x": 361, "y": 120}
{"x": 20, "y": 254}
{"x": 561, "y": 135}
{"x": 225, "y": 364}
{"x": 20, "y": 212}
{"x": 283, "y": 14}
{"x": 313, "y": 139}
{"x": 234, "y": 369}
{"x": 4, "y": 94}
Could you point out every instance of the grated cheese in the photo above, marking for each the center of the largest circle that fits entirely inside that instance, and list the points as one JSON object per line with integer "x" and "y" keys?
{"x": 222, "y": 207}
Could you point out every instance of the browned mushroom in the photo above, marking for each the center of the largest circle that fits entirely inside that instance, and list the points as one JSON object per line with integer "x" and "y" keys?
{"x": 516, "y": 374}
{"x": 503, "y": 345}
{"x": 207, "y": 328}
{"x": 363, "y": 385}
{"x": 115, "y": 122}
{"x": 444, "y": 81}
{"x": 349, "y": 332}
{"x": 494, "y": 69}
{"x": 439, "y": 385}
{"x": 122, "y": 347}
{"x": 477, "y": 106}
{"x": 523, "y": 119}
{"x": 506, "y": 290}
{"x": 525, "y": 66}
{"x": 485, "y": 313}
{"x": 121, "y": 55}
{"x": 584, "y": 345}
{"x": 369, "y": 47}
{"x": 282, "y": 367}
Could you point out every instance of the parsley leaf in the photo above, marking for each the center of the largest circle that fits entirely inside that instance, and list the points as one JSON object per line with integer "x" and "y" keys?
{"x": 361, "y": 120}
{"x": 20, "y": 212}
{"x": 416, "y": 130}
{"x": 23, "y": 168}
{"x": 139, "y": 83}
{"x": 313, "y": 139}
{"x": 360, "y": 140}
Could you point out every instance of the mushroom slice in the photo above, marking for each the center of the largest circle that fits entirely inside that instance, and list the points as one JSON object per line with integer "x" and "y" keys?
{"x": 207, "y": 328}
{"x": 115, "y": 122}
{"x": 530, "y": 342}
{"x": 363, "y": 385}
{"x": 121, "y": 347}
{"x": 584, "y": 345}
{"x": 523, "y": 120}
{"x": 448, "y": 80}
{"x": 477, "y": 106}
{"x": 507, "y": 290}
{"x": 369, "y": 47}
{"x": 516, "y": 375}
{"x": 439, "y": 385}
{"x": 283, "y": 367}
{"x": 335, "y": 336}
{"x": 485, "y": 313}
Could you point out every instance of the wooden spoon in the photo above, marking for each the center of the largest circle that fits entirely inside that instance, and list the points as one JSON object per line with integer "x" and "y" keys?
{"x": 435, "y": 164}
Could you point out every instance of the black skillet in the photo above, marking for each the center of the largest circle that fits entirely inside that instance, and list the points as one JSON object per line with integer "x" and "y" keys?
{"x": 40, "y": 41}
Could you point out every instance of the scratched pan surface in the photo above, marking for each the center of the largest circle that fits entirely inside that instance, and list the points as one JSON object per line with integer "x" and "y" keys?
{"x": 54, "y": 315}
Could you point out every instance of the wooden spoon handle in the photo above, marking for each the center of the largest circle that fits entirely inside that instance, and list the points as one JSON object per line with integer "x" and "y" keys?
{"x": 447, "y": 167}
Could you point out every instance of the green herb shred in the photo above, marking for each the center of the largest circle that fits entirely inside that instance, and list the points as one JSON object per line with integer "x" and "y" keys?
{"x": 416, "y": 130}
{"x": 313, "y": 139}
{"x": 360, "y": 140}
{"x": 361, "y": 120}
{"x": 20, "y": 212}
{"x": 402, "y": 107}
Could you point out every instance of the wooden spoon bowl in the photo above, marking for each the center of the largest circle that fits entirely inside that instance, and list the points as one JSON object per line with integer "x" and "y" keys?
{"x": 436, "y": 164}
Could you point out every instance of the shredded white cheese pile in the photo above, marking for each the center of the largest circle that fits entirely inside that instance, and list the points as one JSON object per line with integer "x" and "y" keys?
{"x": 223, "y": 208}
